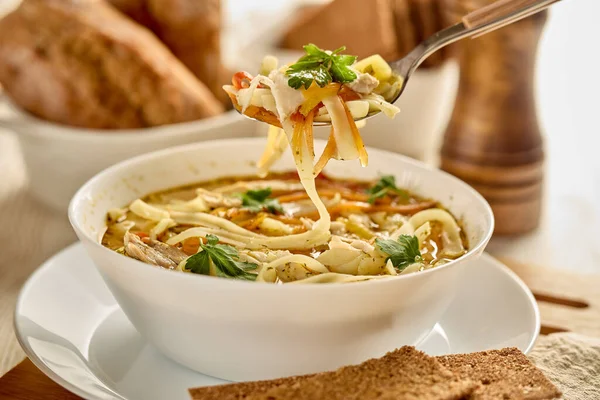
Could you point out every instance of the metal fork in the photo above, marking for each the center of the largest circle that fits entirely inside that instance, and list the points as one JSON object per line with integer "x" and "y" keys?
{"x": 476, "y": 23}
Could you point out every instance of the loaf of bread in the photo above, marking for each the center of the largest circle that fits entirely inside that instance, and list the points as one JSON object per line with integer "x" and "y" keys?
{"x": 191, "y": 29}
{"x": 390, "y": 28}
{"x": 364, "y": 27}
{"x": 86, "y": 64}
{"x": 136, "y": 10}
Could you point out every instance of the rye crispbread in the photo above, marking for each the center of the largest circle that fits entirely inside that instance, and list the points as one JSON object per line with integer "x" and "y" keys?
{"x": 406, "y": 373}
{"x": 503, "y": 374}
{"x": 239, "y": 391}
{"x": 402, "y": 374}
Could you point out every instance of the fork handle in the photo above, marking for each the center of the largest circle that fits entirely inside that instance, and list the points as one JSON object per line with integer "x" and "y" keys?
{"x": 501, "y": 13}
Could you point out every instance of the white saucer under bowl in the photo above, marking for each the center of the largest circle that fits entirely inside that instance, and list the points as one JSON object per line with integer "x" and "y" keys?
{"x": 71, "y": 327}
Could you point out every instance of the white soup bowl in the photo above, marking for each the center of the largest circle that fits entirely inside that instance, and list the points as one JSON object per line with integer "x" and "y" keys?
{"x": 239, "y": 330}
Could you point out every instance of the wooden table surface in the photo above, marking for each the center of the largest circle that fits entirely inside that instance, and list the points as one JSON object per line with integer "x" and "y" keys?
{"x": 567, "y": 238}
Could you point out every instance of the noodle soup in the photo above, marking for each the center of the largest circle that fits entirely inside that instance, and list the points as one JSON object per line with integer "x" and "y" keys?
{"x": 196, "y": 317}
{"x": 270, "y": 230}
{"x": 302, "y": 226}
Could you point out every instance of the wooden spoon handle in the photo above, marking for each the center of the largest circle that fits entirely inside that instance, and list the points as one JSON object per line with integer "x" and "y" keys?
{"x": 503, "y": 12}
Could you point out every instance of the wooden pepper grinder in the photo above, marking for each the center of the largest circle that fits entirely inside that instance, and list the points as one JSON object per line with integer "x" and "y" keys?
{"x": 493, "y": 141}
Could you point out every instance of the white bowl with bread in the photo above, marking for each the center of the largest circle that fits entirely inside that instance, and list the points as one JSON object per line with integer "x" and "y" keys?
{"x": 239, "y": 330}
{"x": 119, "y": 82}
{"x": 59, "y": 158}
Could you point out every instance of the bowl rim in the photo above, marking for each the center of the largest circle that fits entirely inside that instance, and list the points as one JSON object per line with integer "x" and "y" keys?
{"x": 79, "y": 198}
{"x": 70, "y": 132}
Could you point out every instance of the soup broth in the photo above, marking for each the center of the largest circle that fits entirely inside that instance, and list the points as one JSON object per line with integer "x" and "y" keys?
{"x": 263, "y": 229}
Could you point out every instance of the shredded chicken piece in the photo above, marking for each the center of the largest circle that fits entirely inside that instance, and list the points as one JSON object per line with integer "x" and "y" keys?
{"x": 216, "y": 199}
{"x": 153, "y": 252}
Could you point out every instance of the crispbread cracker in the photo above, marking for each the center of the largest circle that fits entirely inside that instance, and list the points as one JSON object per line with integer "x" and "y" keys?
{"x": 238, "y": 391}
{"x": 503, "y": 374}
{"x": 403, "y": 374}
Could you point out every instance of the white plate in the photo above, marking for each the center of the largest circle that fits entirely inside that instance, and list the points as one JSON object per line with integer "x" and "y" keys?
{"x": 71, "y": 327}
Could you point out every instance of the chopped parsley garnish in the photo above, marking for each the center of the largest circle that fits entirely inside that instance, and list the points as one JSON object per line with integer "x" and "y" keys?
{"x": 258, "y": 200}
{"x": 386, "y": 184}
{"x": 402, "y": 252}
{"x": 322, "y": 67}
{"x": 223, "y": 257}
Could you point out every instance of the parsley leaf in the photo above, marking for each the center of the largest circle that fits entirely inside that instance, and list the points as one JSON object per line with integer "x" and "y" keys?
{"x": 304, "y": 76}
{"x": 199, "y": 263}
{"x": 322, "y": 67}
{"x": 315, "y": 51}
{"x": 258, "y": 200}
{"x": 386, "y": 184}
{"x": 223, "y": 257}
{"x": 403, "y": 252}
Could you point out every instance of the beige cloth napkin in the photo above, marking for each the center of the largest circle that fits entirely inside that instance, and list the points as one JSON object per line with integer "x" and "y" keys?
{"x": 572, "y": 362}
{"x": 29, "y": 234}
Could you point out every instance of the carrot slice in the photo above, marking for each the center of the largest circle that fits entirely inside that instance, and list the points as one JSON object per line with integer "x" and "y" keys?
{"x": 191, "y": 245}
{"x": 348, "y": 195}
{"x": 253, "y": 223}
{"x": 241, "y": 80}
{"x": 329, "y": 152}
{"x": 348, "y": 94}
{"x": 403, "y": 208}
{"x": 286, "y": 219}
{"x": 349, "y": 207}
{"x": 315, "y": 94}
{"x": 358, "y": 142}
{"x": 261, "y": 114}
{"x": 308, "y": 132}
{"x": 290, "y": 198}
{"x": 296, "y": 144}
